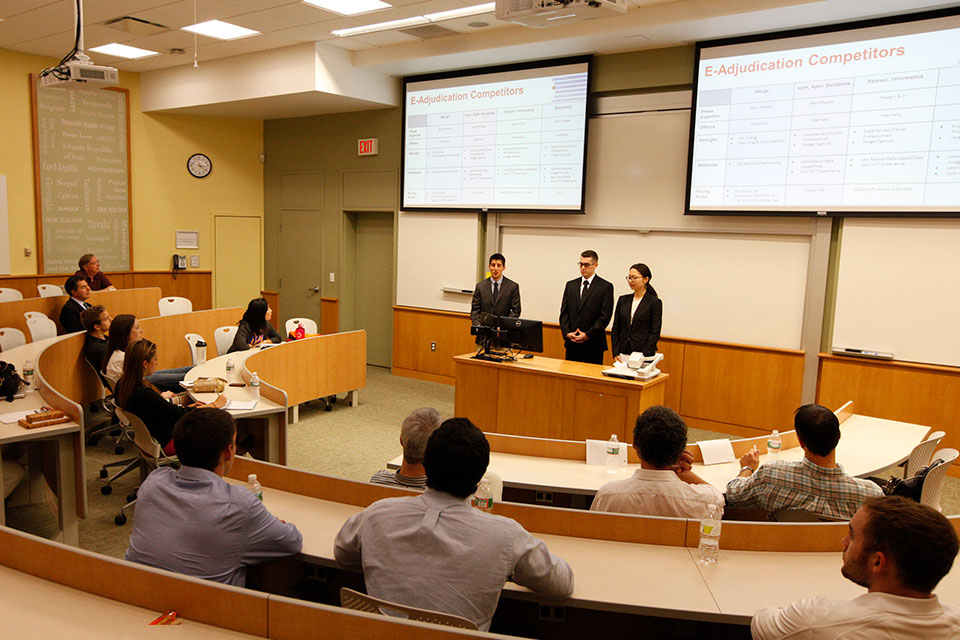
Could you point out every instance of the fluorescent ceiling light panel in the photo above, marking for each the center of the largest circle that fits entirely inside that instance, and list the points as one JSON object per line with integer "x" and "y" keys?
{"x": 461, "y": 13}
{"x": 349, "y": 7}
{"x": 123, "y": 51}
{"x": 381, "y": 26}
{"x": 220, "y": 30}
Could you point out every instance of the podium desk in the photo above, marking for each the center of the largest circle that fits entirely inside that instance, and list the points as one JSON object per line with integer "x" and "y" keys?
{"x": 550, "y": 398}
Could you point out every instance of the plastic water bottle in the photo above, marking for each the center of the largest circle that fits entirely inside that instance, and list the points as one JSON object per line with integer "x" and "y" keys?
{"x": 230, "y": 367}
{"x": 28, "y": 374}
{"x": 613, "y": 454}
{"x": 253, "y": 486}
{"x": 200, "y": 349}
{"x": 255, "y": 385}
{"x": 483, "y": 498}
{"x": 709, "y": 548}
{"x": 773, "y": 446}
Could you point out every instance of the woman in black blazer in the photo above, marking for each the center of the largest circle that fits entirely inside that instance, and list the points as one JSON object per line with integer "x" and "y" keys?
{"x": 637, "y": 319}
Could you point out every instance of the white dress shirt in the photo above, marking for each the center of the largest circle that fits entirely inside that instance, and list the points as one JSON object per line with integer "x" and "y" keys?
{"x": 652, "y": 492}
{"x": 436, "y": 552}
{"x": 871, "y": 616}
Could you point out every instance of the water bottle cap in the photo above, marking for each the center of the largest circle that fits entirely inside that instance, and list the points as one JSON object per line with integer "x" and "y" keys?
{"x": 251, "y": 477}
{"x": 775, "y": 432}
{"x": 201, "y": 343}
{"x": 613, "y": 436}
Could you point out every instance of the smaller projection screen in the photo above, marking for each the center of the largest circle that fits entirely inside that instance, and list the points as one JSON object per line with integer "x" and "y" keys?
{"x": 509, "y": 138}
{"x": 863, "y": 119}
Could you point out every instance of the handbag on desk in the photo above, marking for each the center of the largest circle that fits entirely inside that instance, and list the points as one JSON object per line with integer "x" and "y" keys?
{"x": 208, "y": 385}
{"x": 10, "y": 380}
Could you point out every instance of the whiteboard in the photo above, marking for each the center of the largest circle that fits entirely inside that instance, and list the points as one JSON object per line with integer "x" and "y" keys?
{"x": 745, "y": 289}
{"x": 436, "y": 250}
{"x": 897, "y": 289}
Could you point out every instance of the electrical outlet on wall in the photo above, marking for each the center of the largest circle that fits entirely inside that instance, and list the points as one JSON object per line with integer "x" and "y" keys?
{"x": 433, "y": 346}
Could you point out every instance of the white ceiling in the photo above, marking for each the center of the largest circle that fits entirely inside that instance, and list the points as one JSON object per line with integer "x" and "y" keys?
{"x": 45, "y": 27}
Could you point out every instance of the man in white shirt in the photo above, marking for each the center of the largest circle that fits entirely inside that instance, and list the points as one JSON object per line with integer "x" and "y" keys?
{"x": 435, "y": 551}
{"x": 665, "y": 484}
{"x": 899, "y": 550}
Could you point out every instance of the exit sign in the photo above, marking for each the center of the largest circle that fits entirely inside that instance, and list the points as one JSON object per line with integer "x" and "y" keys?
{"x": 367, "y": 147}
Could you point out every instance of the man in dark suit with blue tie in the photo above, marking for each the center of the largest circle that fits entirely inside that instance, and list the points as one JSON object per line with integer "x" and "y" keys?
{"x": 78, "y": 290}
{"x": 585, "y": 311}
{"x": 496, "y": 295}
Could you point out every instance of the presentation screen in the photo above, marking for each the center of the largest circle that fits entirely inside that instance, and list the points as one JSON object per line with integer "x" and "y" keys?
{"x": 860, "y": 120}
{"x": 507, "y": 138}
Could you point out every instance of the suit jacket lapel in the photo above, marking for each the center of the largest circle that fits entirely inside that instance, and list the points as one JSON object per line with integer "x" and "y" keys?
{"x": 644, "y": 303}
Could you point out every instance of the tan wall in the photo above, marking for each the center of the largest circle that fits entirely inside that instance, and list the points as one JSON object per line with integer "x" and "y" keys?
{"x": 164, "y": 196}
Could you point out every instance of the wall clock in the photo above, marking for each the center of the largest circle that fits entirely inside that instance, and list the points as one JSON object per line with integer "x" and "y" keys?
{"x": 199, "y": 165}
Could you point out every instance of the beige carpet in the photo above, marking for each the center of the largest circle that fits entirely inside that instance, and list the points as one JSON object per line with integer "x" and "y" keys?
{"x": 351, "y": 442}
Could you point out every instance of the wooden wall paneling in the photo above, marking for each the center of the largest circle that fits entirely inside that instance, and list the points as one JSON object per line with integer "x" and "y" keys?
{"x": 413, "y": 332}
{"x": 672, "y": 363}
{"x": 138, "y": 302}
{"x": 11, "y": 313}
{"x": 329, "y": 315}
{"x": 195, "y": 599}
{"x": 480, "y": 408}
{"x": 168, "y": 332}
{"x": 921, "y": 394}
{"x": 775, "y": 536}
{"x": 26, "y": 285}
{"x": 273, "y": 300}
{"x": 532, "y": 405}
{"x": 599, "y": 410}
{"x": 740, "y": 385}
{"x": 195, "y": 285}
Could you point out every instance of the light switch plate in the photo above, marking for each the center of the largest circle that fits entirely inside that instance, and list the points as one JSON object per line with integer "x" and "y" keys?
{"x": 194, "y": 262}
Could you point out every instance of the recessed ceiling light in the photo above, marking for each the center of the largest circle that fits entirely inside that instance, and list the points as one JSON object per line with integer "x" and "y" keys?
{"x": 461, "y": 13}
{"x": 349, "y": 7}
{"x": 123, "y": 51}
{"x": 220, "y": 30}
{"x": 381, "y": 26}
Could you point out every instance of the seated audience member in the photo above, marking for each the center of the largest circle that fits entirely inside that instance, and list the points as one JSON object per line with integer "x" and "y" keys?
{"x": 255, "y": 327}
{"x": 435, "y": 551}
{"x": 90, "y": 271}
{"x": 899, "y": 550}
{"x": 414, "y": 432}
{"x": 125, "y": 330}
{"x": 816, "y": 483}
{"x": 191, "y": 521}
{"x": 665, "y": 484}
{"x": 96, "y": 321}
{"x": 141, "y": 398}
{"x": 78, "y": 290}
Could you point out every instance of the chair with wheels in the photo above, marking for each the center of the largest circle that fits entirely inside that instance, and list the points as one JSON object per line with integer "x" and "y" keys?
{"x": 223, "y": 337}
{"x": 933, "y": 483}
{"x": 192, "y": 340}
{"x": 309, "y": 326}
{"x": 6, "y": 295}
{"x": 41, "y": 327}
{"x": 11, "y": 338}
{"x": 350, "y": 599}
{"x": 920, "y": 456}
{"x": 151, "y": 456}
{"x": 173, "y": 306}
{"x": 49, "y": 290}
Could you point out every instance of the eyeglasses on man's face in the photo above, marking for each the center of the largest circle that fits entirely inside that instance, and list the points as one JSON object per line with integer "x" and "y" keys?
{"x": 585, "y": 265}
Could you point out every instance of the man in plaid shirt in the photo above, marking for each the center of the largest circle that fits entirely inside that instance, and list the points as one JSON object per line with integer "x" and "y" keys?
{"x": 816, "y": 483}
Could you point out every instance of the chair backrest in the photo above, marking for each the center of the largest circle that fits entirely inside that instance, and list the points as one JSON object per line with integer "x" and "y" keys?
{"x": 920, "y": 456}
{"x": 799, "y": 515}
{"x": 11, "y": 338}
{"x": 41, "y": 327}
{"x": 350, "y": 599}
{"x": 192, "y": 339}
{"x": 7, "y": 295}
{"x": 224, "y": 336}
{"x": 150, "y": 450}
{"x": 174, "y": 305}
{"x": 309, "y": 326}
{"x": 49, "y": 290}
{"x": 933, "y": 483}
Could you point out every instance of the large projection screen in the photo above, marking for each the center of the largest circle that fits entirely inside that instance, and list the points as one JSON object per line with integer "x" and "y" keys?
{"x": 862, "y": 120}
{"x": 502, "y": 139}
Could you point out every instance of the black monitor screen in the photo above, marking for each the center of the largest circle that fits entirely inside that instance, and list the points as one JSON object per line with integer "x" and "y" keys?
{"x": 522, "y": 334}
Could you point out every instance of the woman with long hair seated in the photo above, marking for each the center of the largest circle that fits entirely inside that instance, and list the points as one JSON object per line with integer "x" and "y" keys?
{"x": 255, "y": 328}
{"x": 134, "y": 393}
{"x": 125, "y": 330}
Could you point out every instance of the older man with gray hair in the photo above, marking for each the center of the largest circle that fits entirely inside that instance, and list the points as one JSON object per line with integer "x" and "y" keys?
{"x": 414, "y": 433}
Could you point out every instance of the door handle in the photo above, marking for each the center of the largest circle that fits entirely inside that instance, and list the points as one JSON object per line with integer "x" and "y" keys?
{"x": 315, "y": 289}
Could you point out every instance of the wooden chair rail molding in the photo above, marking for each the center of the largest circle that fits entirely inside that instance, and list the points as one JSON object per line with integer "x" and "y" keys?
{"x": 194, "y": 284}
{"x": 329, "y": 315}
{"x": 273, "y": 300}
{"x": 344, "y": 369}
{"x": 743, "y": 389}
{"x": 195, "y": 599}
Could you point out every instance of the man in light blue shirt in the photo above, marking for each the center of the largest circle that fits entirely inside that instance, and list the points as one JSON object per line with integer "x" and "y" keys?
{"x": 193, "y": 522}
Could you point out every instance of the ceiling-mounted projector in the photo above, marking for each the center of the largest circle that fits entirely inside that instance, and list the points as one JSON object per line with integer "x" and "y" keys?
{"x": 551, "y": 13}
{"x": 78, "y": 75}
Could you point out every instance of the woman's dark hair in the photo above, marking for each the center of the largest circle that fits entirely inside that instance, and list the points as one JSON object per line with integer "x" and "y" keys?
{"x": 644, "y": 271}
{"x": 134, "y": 358}
{"x": 256, "y": 315}
{"x": 119, "y": 336}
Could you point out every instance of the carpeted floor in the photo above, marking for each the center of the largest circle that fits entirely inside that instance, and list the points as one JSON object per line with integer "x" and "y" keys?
{"x": 351, "y": 442}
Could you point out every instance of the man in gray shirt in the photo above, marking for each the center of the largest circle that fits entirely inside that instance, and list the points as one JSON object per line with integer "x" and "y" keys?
{"x": 435, "y": 551}
{"x": 414, "y": 431}
{"x": 191, "y": 521}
